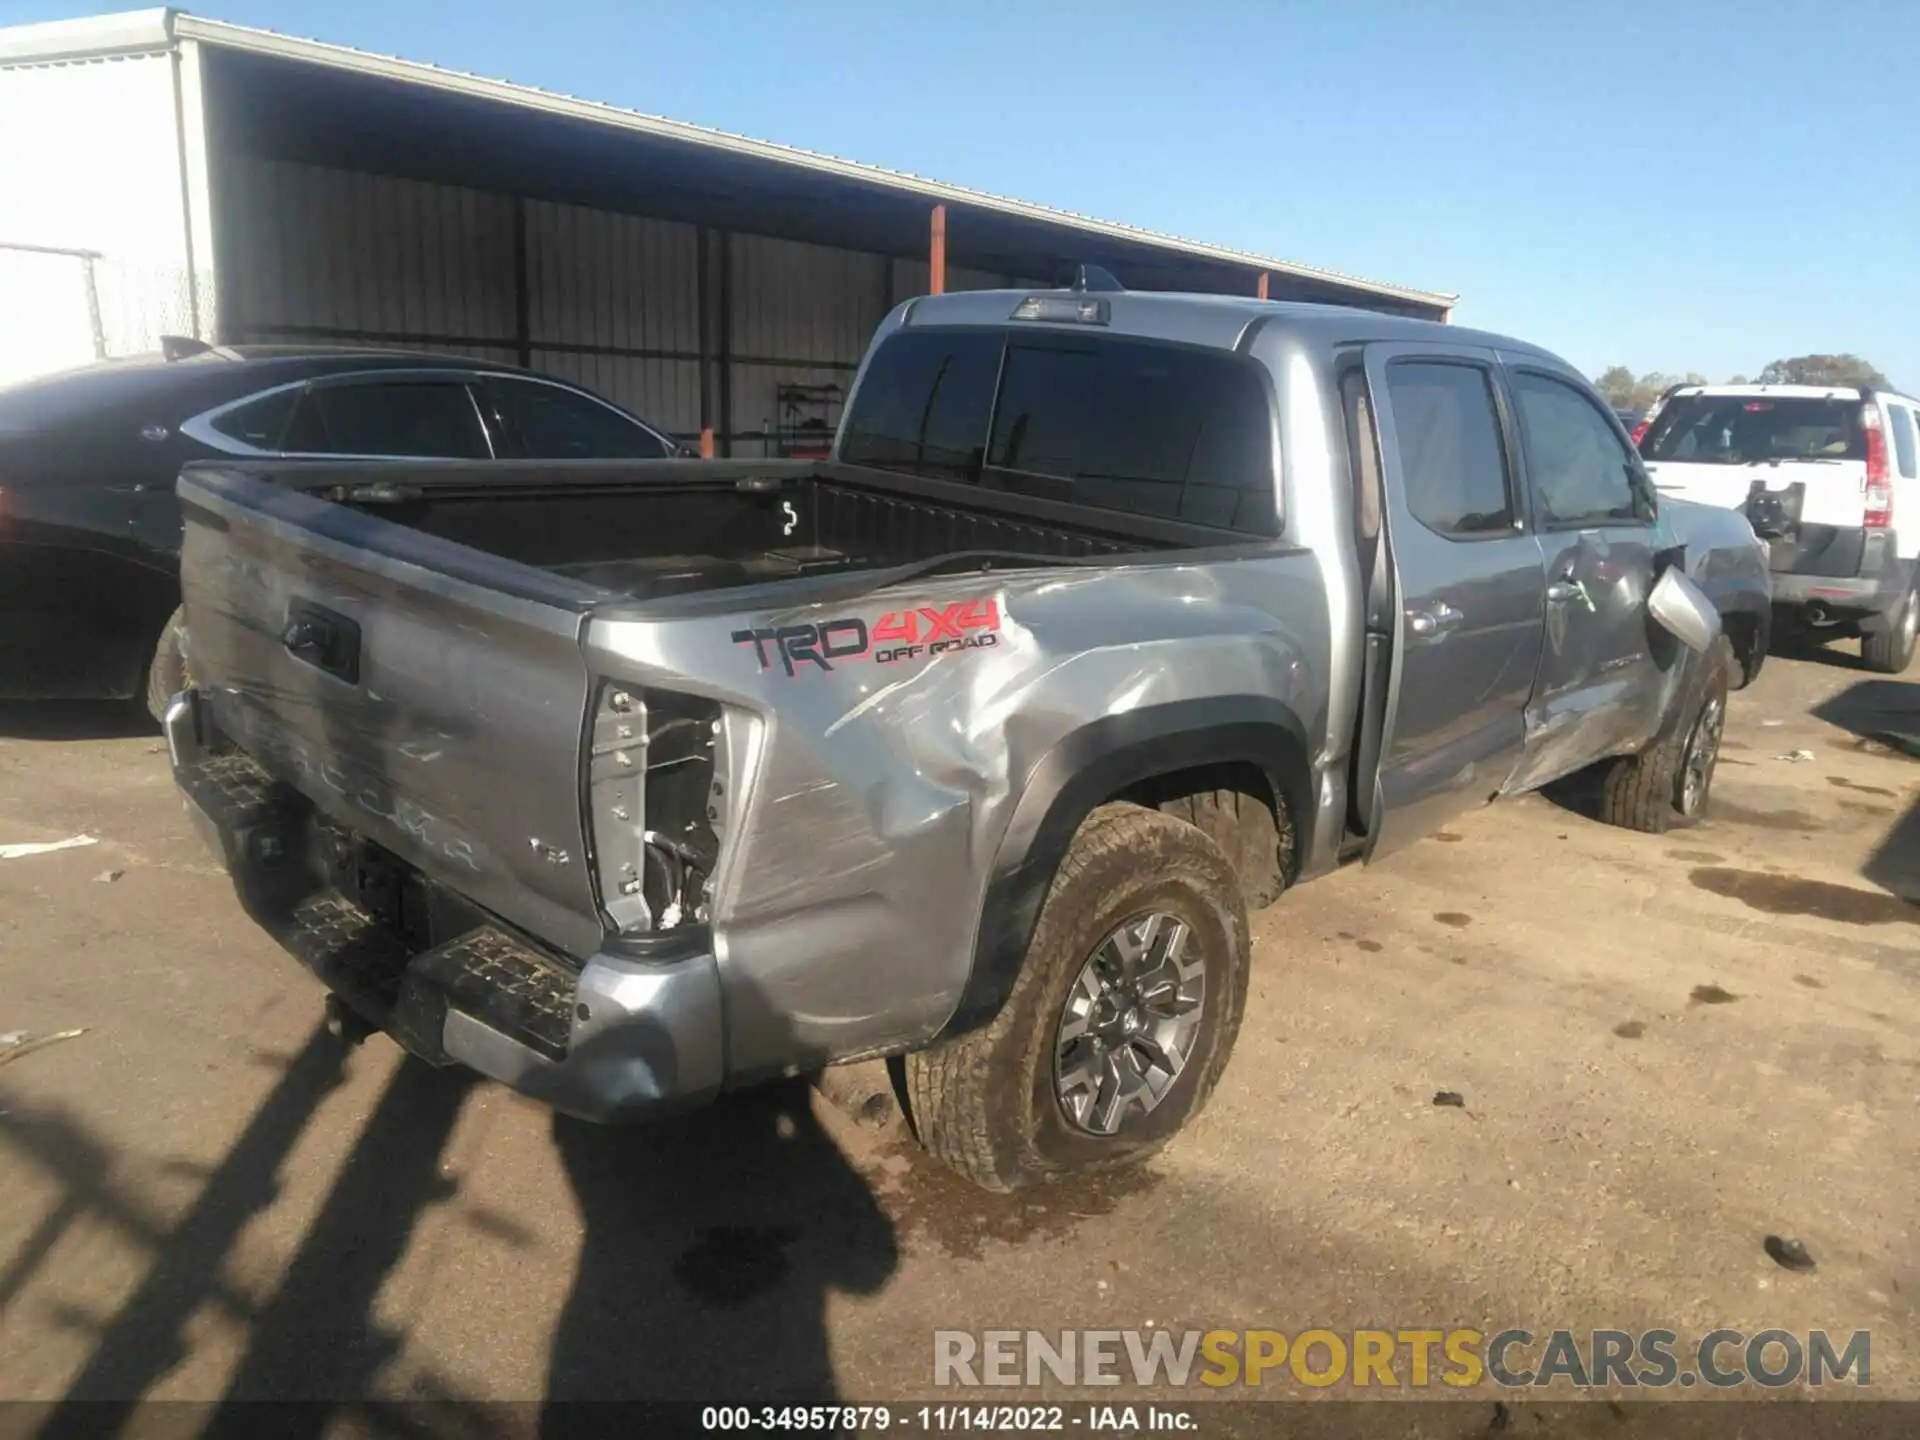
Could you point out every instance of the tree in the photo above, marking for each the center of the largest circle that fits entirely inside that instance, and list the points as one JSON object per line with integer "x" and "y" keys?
{"x": 1616, "y": 383}
{"x": 1739, "y": 380}
{"x": 1822, "y": 370}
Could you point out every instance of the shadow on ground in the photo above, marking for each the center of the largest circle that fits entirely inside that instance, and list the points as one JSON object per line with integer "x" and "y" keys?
{"x": 711, "y": 1245}
{"x": 1886, "y": 713}
{"x": 74, "y": 720}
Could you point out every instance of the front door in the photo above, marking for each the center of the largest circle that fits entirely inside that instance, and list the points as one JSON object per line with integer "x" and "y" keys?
{"x": 1466, "y": 622}
{"x": 1597, "y": 693}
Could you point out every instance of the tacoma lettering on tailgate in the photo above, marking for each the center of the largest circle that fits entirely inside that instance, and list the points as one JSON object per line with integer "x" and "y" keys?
{"x": 897, "y": 635}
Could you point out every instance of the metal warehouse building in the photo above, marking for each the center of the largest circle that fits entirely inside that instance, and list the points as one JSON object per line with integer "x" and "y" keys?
{"x": 166, "y": 174}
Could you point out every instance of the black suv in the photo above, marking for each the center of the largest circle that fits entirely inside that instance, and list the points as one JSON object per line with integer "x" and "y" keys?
{"x": 90, "y": 529}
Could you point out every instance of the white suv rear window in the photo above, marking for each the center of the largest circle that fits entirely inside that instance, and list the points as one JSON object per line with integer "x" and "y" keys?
{"x": 1743, "y": 429}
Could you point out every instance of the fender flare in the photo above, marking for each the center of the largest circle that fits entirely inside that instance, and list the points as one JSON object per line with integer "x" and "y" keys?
{"x": 1089, "y": 766}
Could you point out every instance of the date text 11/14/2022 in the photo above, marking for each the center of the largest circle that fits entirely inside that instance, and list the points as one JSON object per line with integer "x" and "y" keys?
{"x": 948, "y": 1419}
{"x": 897, "y": 635}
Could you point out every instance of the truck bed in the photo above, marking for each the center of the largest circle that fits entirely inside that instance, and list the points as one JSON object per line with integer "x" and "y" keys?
{"x": 652, "y": 529}
{"x": 410, "y": 646}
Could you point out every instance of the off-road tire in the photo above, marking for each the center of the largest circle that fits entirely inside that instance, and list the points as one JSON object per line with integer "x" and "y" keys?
{"x": 1890, "y": 650}
{"x": 985, "y": 1102}
{"x": 167, "y": 672}
{"x": 1642, "y": 792}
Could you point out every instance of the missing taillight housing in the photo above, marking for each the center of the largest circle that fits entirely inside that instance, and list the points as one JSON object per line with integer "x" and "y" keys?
{"x": 656, "y": 793}
{"x": 1878, "y": 490}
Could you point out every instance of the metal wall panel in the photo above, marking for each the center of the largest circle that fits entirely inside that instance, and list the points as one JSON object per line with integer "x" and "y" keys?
{"x": 611, "y": 281}
{"x": 665, "y": 393}
{"x": 803, "y": 302}
{"x": 368, "y": 255}
{"x": 910, "y": 279}
{"x": 755, "y": 408}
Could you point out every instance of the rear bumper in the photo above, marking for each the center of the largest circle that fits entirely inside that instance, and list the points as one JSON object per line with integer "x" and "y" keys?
{"x": 623, "y": 1036}
{"x": 1868, "y": 597}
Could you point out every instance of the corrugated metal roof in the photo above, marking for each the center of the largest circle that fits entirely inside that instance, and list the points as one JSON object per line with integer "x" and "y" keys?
{"x": 156, "y": 29}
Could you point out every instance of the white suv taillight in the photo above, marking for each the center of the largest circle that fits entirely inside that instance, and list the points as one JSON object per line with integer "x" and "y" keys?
{"x": 1879, "y": 485}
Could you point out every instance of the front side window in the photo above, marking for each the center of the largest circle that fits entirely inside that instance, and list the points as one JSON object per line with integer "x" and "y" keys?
{"x": 427, "y": 419}
{"x": 1581, "y": 472}
{"x": 1901, "y": 420}
{"x": 1453, "y": 464}
{"x": 559, "y": 424}
{"x": 922, "y": 406}
{"x": 1182, "y": 434}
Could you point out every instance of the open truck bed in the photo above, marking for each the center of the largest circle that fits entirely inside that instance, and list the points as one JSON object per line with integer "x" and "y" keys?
{"x": 654, "y": 529}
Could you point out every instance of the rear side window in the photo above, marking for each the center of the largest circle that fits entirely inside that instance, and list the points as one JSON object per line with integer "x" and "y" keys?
{"x": 559, "y": 424}
{"x": 1901, "y": 420}
{"x": 1745, "y": 429}
{"x": 1158, "y": 430}
{"x": 1448, "y": 433}
{"x": 259, "y": 423}
{"x": 429, "y": 419}
{"x": 923, "y": 405}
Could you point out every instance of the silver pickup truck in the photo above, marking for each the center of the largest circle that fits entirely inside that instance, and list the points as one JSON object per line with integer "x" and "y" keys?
{"x": 1112, "y": 616}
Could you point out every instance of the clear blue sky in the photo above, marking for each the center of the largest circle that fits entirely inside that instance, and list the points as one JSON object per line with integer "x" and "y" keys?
{"x": 1681, "y": 186}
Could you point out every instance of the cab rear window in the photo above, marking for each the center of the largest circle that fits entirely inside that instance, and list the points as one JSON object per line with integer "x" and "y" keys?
{"x": 1744, "y": 429}
{"x": 1113, "y": 423}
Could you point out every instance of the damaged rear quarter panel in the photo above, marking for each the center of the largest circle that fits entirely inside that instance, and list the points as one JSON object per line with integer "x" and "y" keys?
{"x": 870, "y": 806}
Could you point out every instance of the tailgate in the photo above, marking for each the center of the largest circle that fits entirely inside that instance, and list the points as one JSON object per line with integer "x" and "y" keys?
{"x": 425, "y": 695}
{"x": 1830, "y": 492}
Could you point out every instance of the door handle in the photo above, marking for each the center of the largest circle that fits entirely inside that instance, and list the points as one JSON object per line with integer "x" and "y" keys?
{"x": 1561, "y": 591}
{"x": 1436, "y": 621}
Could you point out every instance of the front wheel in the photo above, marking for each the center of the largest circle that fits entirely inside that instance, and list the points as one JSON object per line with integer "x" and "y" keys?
{"x": 1889, "y": 651}
{"x": 1120, "y": 1023}
{"x": 1672, "y": 779}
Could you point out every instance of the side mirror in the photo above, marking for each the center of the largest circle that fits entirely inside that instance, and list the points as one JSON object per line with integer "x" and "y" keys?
{"x": 1678, "y": 607}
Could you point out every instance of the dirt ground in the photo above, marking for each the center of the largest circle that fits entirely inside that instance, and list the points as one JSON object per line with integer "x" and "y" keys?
{"x": 1668, "y": 1049}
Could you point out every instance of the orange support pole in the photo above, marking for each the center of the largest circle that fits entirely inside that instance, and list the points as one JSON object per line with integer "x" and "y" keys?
{"x": 1262, "y": 291}
{"x": 706, "y": 442}
{"x": 937, "y": 253}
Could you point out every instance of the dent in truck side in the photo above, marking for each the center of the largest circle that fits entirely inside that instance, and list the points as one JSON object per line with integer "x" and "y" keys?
{"x": 876, "y": 804}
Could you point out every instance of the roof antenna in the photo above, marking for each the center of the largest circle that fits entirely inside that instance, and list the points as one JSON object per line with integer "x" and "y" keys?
{"x": 1094, "y": 278}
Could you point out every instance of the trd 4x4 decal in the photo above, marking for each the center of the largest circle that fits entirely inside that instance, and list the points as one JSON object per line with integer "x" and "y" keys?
{"x": 897, "y": 635}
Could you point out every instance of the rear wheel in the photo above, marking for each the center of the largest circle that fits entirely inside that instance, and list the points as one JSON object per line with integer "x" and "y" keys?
{"x": 1889, "y": 651}
{"x": 1120, "y": 1023}
{"x": 1671, "y": 781}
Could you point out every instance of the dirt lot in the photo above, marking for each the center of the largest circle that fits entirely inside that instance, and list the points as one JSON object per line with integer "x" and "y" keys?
{"x": 1668, "y": 1050}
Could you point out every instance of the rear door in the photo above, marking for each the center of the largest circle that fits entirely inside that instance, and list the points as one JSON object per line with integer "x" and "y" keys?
{"x": 1597, "y": 691}
{"x": 1467, "y": 581}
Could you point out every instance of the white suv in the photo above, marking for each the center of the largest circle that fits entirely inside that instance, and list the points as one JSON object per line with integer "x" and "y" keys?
{"x": 1824, "y": 474}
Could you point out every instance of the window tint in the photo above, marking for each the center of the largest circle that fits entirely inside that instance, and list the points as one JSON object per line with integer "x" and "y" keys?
{"x": 1581, "y": 471}
{"x": 1742, "y": 429}
{"x": 923, "y": 404}
{"x": 261, "y": 422}
{"x": 1902, "y": 422}
{"x": 1149, "y": 429}
{"x": 557, "y": 424}
{"x": 1448, "y": 433}
{"x": 431, "y": 418}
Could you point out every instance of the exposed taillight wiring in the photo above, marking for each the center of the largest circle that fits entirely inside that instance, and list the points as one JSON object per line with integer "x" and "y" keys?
{"x": 1879, "y": 483}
